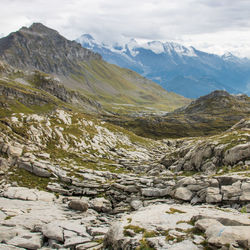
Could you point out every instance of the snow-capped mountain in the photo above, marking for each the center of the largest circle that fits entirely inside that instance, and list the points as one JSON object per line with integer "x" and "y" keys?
{"x": 177, "y": 68}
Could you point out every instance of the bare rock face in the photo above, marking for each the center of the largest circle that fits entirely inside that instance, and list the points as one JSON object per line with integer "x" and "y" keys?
{"x": 45, "y": 50}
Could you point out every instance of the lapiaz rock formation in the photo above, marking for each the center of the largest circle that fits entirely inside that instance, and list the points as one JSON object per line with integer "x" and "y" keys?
{"x": 71, "y": 180}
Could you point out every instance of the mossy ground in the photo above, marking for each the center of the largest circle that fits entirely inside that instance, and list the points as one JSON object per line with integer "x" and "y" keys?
{"x": 27, "y": 179}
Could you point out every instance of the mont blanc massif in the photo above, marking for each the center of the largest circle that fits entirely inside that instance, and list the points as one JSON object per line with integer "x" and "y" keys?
{"x": 122, "y": 146}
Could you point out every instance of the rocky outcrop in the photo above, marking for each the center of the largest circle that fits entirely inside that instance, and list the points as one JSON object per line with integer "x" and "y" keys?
{"x": 172, "y": 227}
{"x": 56, "y": 88}
{"x": 230, "y": 149}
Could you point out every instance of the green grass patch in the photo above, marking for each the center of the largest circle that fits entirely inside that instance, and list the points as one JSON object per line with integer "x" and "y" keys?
{"x": 174, "y": 210}
{"x": 27, "y": 179}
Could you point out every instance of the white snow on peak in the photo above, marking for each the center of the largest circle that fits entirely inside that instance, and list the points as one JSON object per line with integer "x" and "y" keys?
{"x": 132, "y": 45}
{"x": 155, "y": 46}
{"x": 86, "y": 39}
{"x": 171, "y": 47}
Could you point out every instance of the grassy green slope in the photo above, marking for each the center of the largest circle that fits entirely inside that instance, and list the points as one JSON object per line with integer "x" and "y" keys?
{"x": 120, "y": 90}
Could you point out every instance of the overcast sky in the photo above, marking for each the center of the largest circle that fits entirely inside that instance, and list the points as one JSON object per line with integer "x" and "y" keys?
{"x": 211, "y": 25}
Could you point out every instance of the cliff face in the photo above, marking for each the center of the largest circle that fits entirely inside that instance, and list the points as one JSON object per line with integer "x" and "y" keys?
{"x": 44, "y": 49}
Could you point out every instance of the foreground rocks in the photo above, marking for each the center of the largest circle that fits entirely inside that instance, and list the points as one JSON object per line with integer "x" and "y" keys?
{"x": 179, "y": 227}
{"x": 73, "y": 223}
{"x": 101, "y": 176}
{"x": 35, "y": 224}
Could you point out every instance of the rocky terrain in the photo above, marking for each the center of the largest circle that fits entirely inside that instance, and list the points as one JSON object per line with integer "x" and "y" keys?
{"x": 70, "y": 179}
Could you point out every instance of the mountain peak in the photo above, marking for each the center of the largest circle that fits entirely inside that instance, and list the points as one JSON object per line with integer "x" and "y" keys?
{"x": 38, "y": 28}
{"x": 45, "y": 49}
{"x": 88, "y": 36}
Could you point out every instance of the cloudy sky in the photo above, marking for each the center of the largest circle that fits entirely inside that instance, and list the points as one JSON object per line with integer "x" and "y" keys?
{"x": 211, "y": 25}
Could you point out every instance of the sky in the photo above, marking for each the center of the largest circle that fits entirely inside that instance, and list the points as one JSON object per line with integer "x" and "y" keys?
{"x": 214, "y": 26}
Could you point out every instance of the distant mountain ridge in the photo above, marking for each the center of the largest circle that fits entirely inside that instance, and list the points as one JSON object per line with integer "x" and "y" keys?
{"x": 183, "y": 70}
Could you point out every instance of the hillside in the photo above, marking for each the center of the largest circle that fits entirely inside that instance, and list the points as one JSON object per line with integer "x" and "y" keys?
{"x": 41, "y": 48}
{"x": 183, "y": 70}
{"x": 207, "y": 115}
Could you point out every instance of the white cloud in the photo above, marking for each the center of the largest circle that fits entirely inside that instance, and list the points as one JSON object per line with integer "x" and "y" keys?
{"x": 213, "y": 25}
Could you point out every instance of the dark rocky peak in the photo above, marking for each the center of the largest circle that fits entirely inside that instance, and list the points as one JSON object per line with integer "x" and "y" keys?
{"x": 40, "y": 29}
{"x": 42, "y": 48}
{"x": 217, "y": 101}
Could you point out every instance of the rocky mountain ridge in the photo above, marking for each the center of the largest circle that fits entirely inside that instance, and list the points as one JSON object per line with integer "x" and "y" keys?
{"x": 41, "y": 48}
{"x": 183, "y": 70}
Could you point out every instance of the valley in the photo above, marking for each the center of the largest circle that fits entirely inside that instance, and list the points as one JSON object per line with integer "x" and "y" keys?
{"x": 94, "y": 156}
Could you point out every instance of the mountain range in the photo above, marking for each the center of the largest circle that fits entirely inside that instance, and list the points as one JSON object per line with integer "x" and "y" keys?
{"x": 183, "y": 70}
{"x": 78, "y": 69}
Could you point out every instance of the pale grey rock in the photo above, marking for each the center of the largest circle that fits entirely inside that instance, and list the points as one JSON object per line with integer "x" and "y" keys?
{"x": 9, "y": 247}
{"x": 100, "y": 205}
{"x": 186, "y": 181}
{"x": 245, "y": 196}
{"x": 40, "y": 172}
{"x": 74, "y": 226}
{"x": 200, "y": 154}
{"x": 29, "y": 241}
{"x": 7, "y": 233}
{"x": 53, "y": 231}
{"x": 219, "y": 235}
{"x": 23, "y": 193}
{"x": 75, "y": 240}
{"x": 186, "y": 244}
{"x": 89, "y": 245}
{"x": 208, "y": 168}
{"x": 80, "y": 205}
{"x": 245, "y": 186}
{"x": 213, "y": 195}
{"x": 198, "y": 239}
{"x": 203, "y": 224}
{"x": 156, "y": 217}
{"x": 136, "y": 204}
{"x": 231, "y": 192}
{"x": 237, "y": 153}
{"x": 14, "y": 151}
{"x": 94, "y": 231}
{"x": 183, "y": 194}
{"x": 155, "y": 192}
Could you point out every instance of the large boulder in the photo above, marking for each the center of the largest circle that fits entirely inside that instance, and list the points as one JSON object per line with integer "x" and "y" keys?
{"x": 213, "y": 195}
{"x": 80, "y": 205}
{"x": 101, "y": 205}
{"x": 183, "y": 193}
{"x": 238, "y": 153}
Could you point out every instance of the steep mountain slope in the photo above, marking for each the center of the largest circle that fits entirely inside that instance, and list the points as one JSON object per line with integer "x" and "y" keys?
{"x": 44, "y": 49}
{"x": 178, "y": 68}
{"x": 207, "y": 115}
